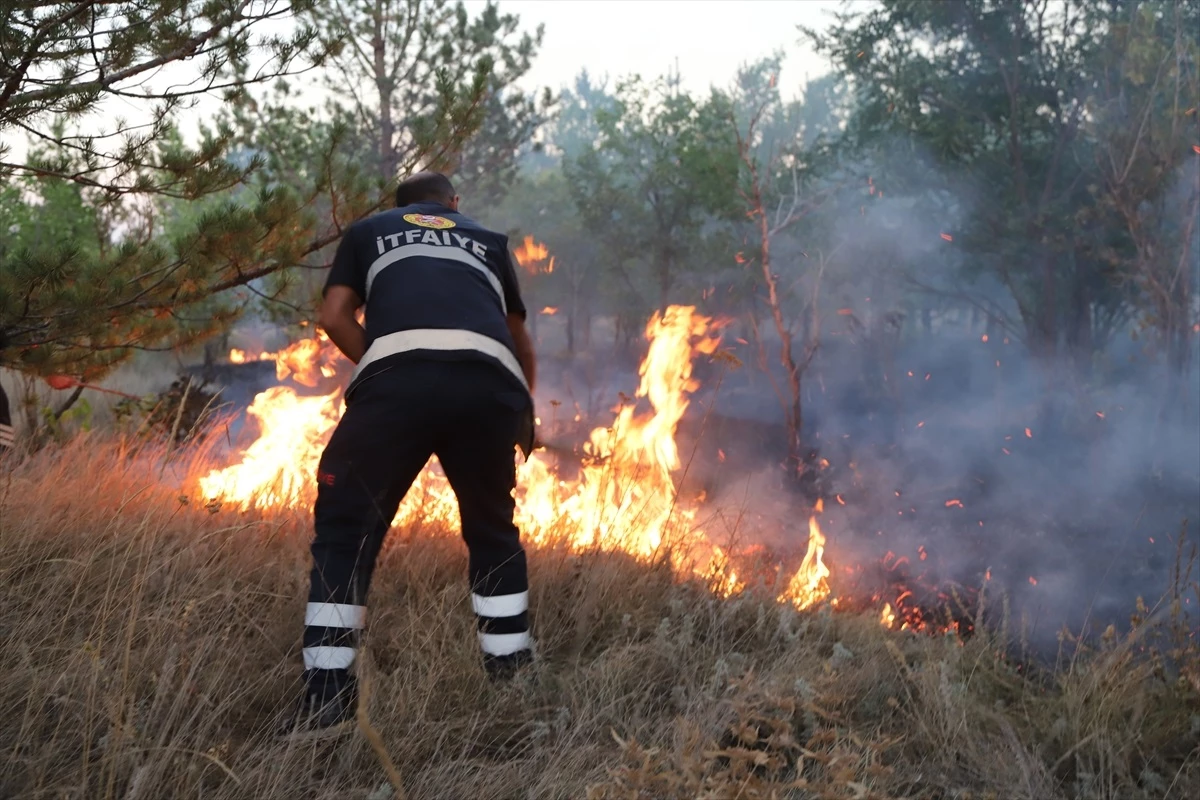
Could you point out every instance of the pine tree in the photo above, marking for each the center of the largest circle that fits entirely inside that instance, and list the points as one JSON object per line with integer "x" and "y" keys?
{"x": 167, "y": 229}
{"x": 410, "y": 84}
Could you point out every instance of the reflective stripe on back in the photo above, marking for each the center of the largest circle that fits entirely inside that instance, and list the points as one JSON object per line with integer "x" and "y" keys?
{"x": 439, "y": 339}
{"x": 444, "y": 252}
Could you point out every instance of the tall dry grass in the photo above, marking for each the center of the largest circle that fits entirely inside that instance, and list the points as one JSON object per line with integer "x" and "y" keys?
{"x": 148, "y": 643}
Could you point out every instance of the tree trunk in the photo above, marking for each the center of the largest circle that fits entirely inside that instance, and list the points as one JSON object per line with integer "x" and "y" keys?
{"x": 664, "y": 283}
{"x": 383, "y": 85}
{"x": 571, "y": 311}
{"x": 1080, "y": 341}
{"x": 1047, "y": 323}
{"x": 793, "y": 412}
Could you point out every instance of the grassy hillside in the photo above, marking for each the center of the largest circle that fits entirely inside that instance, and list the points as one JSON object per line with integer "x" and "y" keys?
{"x": 149, "y": 643}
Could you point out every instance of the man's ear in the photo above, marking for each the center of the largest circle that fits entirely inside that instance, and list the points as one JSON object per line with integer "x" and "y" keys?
{"x": 454, "y": 203}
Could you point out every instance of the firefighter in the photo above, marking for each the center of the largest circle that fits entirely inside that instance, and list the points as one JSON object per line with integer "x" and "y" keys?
{"x": 7, "y": 435}
{"x": 444, "y": 366}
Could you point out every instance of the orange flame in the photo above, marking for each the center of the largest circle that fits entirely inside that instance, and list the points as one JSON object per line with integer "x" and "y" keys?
{"x": 810, "y": 584}
{"x": 887, "y": 617}
{"x": 625, "y": 498}
{"x": 531, "y": 254}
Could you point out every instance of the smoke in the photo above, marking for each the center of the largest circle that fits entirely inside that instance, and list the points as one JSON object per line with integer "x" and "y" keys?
{"x": 938, "y": 438}
{"x": 947, "y": 443}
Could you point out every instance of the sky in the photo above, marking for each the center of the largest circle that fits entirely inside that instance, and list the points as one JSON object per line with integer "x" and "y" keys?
{"x": 707, "y": 39}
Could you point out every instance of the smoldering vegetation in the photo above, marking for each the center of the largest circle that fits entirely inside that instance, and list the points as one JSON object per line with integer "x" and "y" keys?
{"x": 934, "y": 436}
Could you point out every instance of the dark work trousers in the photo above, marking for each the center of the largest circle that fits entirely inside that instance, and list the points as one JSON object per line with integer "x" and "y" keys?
{"x": 468, "y": 414}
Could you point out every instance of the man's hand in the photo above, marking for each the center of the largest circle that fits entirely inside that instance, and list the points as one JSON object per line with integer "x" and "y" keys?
{"x": 337, "y": 319}
{"x": 525, "y": 355}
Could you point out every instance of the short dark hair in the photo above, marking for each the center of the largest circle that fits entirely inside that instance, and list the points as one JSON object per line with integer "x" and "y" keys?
{"x": 424, "y": 186}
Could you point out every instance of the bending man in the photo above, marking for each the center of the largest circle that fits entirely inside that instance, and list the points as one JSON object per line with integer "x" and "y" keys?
{"x": 445, "y": 366}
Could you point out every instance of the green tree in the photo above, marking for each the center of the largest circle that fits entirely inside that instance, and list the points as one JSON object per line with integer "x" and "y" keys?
{"x": 663, "y": 170}
{"x": 779, "y": 190}
{"x": 102, "y": 285}
{"x": 985, "y": 101}
{"x": 403, "y": 69}
{"x": 410, "y": 84}
{"x": 1146, "y": 127}
{"x": 279, "y": 179}
{"x": 541, "y": 205}
{"x": 67, "y": 59}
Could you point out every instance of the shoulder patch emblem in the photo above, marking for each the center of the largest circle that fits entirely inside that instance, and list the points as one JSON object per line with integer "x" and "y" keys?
{"x": 429, "y": 221}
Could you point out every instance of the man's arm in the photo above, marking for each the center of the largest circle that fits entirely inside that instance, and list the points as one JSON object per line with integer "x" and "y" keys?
{"x": 337, "y": 319}
{"x": 345, "y": 290}
{"x": 525, "y": 354}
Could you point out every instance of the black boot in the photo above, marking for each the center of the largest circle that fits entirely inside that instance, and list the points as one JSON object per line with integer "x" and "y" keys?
{"x": 503, "y": 668}
{"x": 325, "y": 709}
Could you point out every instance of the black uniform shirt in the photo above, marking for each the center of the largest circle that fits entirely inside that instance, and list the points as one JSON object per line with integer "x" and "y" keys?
{"x": 424, "y": 266}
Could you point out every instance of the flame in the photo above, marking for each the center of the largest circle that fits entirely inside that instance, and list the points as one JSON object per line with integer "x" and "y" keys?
{"x": 531, "y": 254}
{"x": 625, "y": 498}
{"x": 237, "y": 356}
{"x": 278, "y": 468}
{"x": 810, "y": 584}
{"x": 887, "y": 617}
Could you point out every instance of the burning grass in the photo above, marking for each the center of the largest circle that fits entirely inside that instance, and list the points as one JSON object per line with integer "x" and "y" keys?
{"x": 150, "y": 640}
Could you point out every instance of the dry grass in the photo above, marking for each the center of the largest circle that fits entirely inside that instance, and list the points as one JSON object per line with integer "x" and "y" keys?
{"x": 148, "y": 644}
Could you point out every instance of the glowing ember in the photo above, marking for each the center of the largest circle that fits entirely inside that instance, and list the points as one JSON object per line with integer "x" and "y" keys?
{"x": 531, "y": 254}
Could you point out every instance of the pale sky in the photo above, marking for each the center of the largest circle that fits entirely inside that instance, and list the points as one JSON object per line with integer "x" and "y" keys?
{"x": 710, "y": 38}
{"x": 707, "y": 39}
